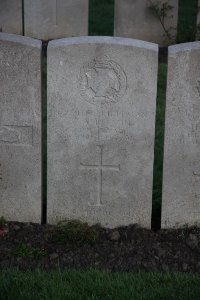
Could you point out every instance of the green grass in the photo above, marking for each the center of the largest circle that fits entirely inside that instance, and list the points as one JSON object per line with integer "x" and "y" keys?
{"x": 93, "y": 285}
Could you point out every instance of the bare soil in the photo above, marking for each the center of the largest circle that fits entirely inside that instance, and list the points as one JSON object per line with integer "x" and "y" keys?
{"x": 30, "y": 246}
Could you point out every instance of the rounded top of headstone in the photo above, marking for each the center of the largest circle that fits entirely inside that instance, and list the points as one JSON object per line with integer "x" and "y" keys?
{"x": 104, "y": 40}
{"x": 20, "y": 39}
{"x": 185, "y": 47}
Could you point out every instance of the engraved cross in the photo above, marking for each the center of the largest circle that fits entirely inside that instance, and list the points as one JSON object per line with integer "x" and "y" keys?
{"x": 100, "y": 167}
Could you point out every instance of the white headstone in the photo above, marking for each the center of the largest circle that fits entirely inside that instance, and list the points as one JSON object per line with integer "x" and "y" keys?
{"x": 51, "y": 19}
{"x": 181, "y": 182}
{"x": 20, "y": 128}
{"x": 101, "y": 119}
{"x": 135, "y": 19}
{"x": 11, "y": 16}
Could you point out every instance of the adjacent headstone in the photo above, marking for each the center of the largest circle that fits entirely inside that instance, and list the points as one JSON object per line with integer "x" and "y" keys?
{"x": 101, "y": 118}
{"x": 11, "y": 16}
{"x": 51, "y": 19}
{"x": 181, "y": 182}
{"x": 135, "y": 19}
{"x": 20, "y": 128}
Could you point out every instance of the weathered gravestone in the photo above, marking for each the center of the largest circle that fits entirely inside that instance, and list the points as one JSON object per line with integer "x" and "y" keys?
{"x": 20, "y": 128}
{"x": 101, "y": 118}
{"x": 51, "y": 19}
{"x": 135, "y": 19}
{"x": 181, "y": 182}
{"x": 11, "y": 16}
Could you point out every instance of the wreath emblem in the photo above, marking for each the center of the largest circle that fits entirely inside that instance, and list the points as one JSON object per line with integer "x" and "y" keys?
{"x": 102, "y": 81}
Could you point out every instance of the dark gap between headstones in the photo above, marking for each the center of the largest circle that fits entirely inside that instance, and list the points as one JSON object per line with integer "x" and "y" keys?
{"x": 44, "y": 132}
{"x": 23, "y": 26}
{"x": 159, "y": 139}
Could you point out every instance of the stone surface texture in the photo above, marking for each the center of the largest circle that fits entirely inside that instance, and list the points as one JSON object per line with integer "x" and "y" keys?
{"x": 181, "y": 181}
{"x": 134, "y": 19}
{"x": 20, "y": 128}
{"x": 11, "y": 16}
{"x": 51, "y": 19}
{"x": 101, "y": 119}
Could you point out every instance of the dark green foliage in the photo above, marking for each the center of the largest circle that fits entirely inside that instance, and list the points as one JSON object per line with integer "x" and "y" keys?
{"x": 24, "y": 250}
{"x": 187, "y": 20}
{"x": 198, "y": 27}
{"x": 73, "y": 231}
{"x": 3, "y": 222}
{"x": 164, "y": 11}
{"x": 101, "y": 17}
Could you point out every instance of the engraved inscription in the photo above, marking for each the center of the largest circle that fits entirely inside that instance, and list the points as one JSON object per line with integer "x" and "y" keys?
{"x": 102, "y": 81}
{"x": 16, "y": 135}
{"x": 100, "y": 167}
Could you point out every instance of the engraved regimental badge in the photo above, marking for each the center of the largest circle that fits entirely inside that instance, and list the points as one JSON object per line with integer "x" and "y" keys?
{"x": 102, "y": 81}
